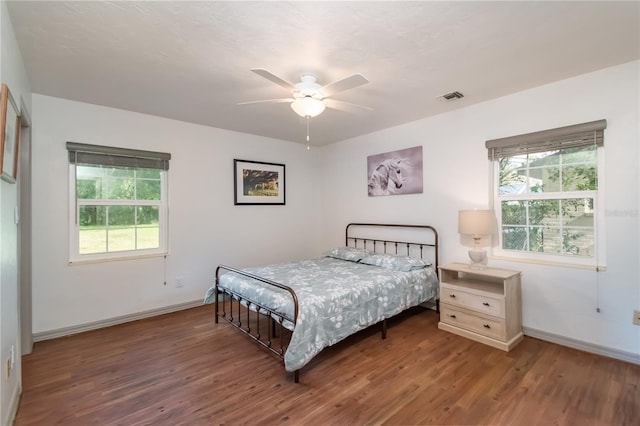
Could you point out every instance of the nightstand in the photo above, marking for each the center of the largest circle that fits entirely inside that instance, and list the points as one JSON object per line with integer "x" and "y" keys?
{"x": 484, "y": 305}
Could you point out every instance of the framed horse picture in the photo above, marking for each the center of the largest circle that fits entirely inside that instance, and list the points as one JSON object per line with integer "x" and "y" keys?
{"x": 395, "y": 172}
{"x": 256, "y": 182}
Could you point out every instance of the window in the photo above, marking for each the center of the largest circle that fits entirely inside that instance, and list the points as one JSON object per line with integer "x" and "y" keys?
{"x": 118, "y": 202}
{"x": 546, "y": 194}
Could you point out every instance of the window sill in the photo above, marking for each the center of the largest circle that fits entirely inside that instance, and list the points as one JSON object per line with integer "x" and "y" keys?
{"x": 116, "y": 259}
{"x": 589, "y": 267}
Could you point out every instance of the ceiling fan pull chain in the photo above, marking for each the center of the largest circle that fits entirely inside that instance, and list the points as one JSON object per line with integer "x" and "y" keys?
{"x": 308, "y": 117}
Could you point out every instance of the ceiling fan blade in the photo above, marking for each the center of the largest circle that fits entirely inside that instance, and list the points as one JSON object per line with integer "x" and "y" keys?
{"x": 347, "y": 106}
{"x": 267, "y": 101}
{"x": 274, "y": 78}
{"x": 344, "y": 84}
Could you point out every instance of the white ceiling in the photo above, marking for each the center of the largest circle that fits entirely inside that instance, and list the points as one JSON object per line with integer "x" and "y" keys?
{"x": 190, "y": 61}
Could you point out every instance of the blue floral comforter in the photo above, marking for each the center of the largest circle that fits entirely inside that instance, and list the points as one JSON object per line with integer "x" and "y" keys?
{"x": 336, "y": 298}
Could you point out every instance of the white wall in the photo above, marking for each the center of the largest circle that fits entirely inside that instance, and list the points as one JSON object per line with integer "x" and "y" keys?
{"x": 206, "y": 228}
{"x": 13, "y": 74}
{"x": 560, "y": 301}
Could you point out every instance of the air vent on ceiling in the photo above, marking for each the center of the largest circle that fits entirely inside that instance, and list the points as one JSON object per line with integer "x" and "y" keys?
{"x": 451, "y": 96}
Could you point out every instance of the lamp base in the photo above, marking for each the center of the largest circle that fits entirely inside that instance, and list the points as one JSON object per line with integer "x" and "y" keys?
{"x": 478, "y": 259}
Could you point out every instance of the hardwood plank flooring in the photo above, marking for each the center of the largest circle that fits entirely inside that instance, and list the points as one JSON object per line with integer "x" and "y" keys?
{"x": 182, "y": 369}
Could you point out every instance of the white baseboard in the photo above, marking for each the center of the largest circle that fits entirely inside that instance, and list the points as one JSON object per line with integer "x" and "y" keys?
{"x": 531, "y": 332}
{"x": 52, "y": 334}
{"x": 583, "y": 346}
{"x": 13, "y": 406}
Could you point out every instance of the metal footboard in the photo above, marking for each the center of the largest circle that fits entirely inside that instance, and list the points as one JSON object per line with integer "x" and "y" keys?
{"x": 259, "y": 322}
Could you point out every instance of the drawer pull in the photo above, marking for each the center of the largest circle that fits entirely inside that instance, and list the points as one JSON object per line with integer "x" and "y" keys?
{"x": 452, "y": 316}
{"x": 486, "y": 303}
{"x": 486, "y": 326}
{"x": 452, "y": 296}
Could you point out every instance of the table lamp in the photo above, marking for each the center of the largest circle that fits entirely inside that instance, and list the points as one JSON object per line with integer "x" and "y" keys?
{"x": 477, "y": 224}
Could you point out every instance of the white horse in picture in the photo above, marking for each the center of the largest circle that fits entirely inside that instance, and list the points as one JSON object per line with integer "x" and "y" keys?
{"x": 387, "y": 177}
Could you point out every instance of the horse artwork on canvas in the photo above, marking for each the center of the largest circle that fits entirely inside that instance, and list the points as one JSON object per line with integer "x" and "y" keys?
{"x": 387, "y": 177}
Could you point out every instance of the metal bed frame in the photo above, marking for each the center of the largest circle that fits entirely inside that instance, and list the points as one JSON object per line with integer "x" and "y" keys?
{"x": 267, "y": 327}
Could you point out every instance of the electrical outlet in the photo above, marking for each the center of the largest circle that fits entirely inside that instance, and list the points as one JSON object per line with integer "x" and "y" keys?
{"x": 11, "y": 360}
{"x": 636, "y": 317}
{"x": 179, "y": 282}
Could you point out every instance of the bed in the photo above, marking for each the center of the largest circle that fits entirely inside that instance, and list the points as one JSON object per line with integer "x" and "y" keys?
{"x": 296, "y": 309}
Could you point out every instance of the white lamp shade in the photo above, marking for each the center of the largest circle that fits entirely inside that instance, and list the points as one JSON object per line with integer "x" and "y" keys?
{"x": 476, "y": 222}
{"x": 308, "y": 106}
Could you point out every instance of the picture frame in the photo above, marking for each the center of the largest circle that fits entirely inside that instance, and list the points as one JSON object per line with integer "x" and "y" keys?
{"x": 9, "y": 136}
{"x": 395, "y": 173}
{"x": 258, "y": 183}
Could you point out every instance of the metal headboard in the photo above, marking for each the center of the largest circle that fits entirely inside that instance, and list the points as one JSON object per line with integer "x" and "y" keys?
{"x": 389, "y": 246}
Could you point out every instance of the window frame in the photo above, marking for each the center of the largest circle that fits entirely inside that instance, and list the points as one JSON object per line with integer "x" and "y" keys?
{"x": 75, "y": 257}
{"x": 595, "y": 262}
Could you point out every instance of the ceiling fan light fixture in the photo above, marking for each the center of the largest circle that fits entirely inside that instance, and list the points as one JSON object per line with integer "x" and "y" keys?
{"x": 308, "y": 106}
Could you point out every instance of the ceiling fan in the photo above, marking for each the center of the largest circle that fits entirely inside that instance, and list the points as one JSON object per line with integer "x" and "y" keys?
{"x": 309, "y": 99}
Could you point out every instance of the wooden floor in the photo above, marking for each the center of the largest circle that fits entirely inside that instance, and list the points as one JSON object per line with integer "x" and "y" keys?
{"x": 182, "y": 369}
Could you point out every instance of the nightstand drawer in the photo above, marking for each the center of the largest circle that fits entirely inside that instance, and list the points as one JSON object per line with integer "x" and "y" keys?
{"x": 481, "y": 303}
{"x": 490, "y": 327}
